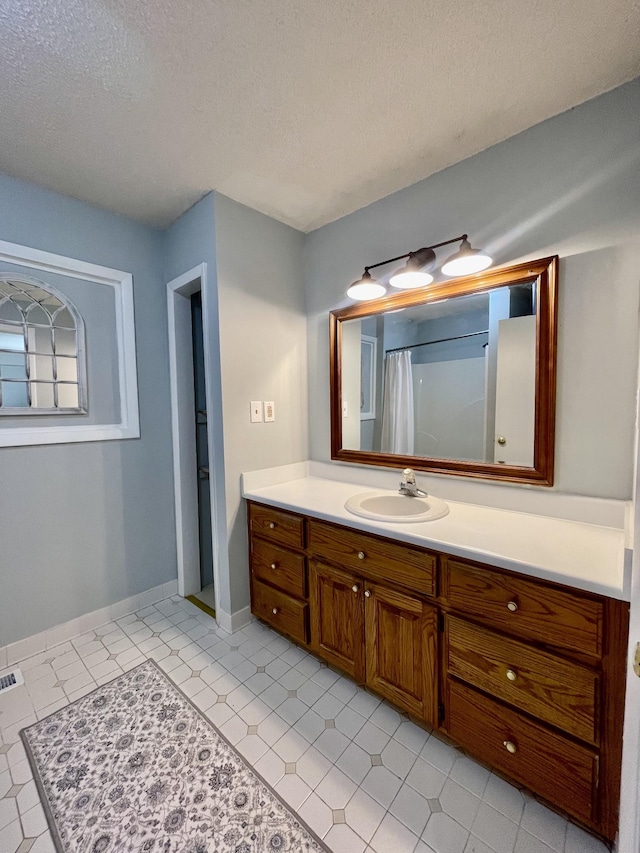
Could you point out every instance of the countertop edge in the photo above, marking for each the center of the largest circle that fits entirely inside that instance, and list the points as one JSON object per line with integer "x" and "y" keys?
{"x": 541, "y": 572}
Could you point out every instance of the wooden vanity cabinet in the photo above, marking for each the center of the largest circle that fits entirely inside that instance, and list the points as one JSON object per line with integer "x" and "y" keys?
{"x": 533, "y": 680}
{"x": 528, "y": 676}
{"x": 379, "y": 636}
{"x": 401, "y": 650}
{"x": 337, "y": 618}
{"x": 562, "y": 771}
{"x": 384, "y": 630}
{"x": 546, "y": 613}
{"x": 550, "y": 687}
{"x": 374, "y": 557}
{"x": 278, "y": 572}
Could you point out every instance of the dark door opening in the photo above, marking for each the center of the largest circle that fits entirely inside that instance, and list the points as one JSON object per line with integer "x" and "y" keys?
{"x": 206, "y": 596}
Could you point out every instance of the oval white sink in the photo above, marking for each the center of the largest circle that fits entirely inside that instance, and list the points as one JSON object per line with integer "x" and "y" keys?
{"x": 391, "y": 506}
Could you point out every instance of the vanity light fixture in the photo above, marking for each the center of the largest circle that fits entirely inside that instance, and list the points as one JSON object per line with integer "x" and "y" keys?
{"x": 366, "y": 288}
{"x": 465, "y": 261}
{"x": 413, "y": 274}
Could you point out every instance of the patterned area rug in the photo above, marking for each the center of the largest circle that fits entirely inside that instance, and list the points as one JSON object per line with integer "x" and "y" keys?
{"x": 134, "y": 766}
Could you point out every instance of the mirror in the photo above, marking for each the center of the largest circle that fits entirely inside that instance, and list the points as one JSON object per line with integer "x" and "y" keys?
{"x": 456, "y": 378}
{"x": 42, "y": 369}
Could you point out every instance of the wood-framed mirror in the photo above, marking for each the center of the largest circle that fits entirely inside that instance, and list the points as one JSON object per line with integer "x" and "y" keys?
{"x": 455, "y": 378}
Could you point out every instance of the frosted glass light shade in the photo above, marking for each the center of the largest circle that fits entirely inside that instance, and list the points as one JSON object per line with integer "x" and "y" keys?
{"x": 466, "y": 261}
{"x": 366, "y": 288}
{"x": 408, "y": 279}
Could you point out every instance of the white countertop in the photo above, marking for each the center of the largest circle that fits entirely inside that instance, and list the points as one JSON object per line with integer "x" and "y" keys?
{"x": 584, "y": 556}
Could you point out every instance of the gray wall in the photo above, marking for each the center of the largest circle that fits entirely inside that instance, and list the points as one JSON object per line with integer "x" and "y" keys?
{"x": 85, "y": 525}
{"x": 263, "y": 357}
{"x": 568, "y": 186}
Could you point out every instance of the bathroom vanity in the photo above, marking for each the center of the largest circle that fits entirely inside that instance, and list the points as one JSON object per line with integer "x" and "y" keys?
{"x": 520, "y": 663}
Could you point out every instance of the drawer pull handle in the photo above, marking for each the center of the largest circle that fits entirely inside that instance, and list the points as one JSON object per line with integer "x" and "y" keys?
{"x": 510, "y": 746}
{"x": 511, "y": 675}
{"x": 274, "y": 566}
{"x": 512, "y": 606}
{"x": 272, "y": 525}
{"x": 355, "y": 587}
{"x": 361, "y": 555}
{"x": 367, "y": 593}
{"x": 275, "y": 611}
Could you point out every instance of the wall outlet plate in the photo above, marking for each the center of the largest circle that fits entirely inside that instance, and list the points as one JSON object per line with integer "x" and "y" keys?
{"x": 269, "y": 411}
{"x": 256, "y": 411}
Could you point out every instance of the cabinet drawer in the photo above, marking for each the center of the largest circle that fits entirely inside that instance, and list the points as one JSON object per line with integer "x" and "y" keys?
{"x": 277, "y": 566}
{"x": 375, "y": 558}
{"x": 276, "y": 524}
{"x": 525, "y": 608}
{"x": 550, "y": 765}
{"x": 555, "y": 690}
{"x": 286, "y": 614}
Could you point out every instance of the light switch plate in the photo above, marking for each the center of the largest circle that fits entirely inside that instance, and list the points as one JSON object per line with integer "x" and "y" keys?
{"x": 269, "y": 411}
{"x": 256, "y": 411}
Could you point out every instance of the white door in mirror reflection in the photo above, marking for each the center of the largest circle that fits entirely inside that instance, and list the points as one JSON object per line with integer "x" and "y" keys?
{"x": 515, "y": 391}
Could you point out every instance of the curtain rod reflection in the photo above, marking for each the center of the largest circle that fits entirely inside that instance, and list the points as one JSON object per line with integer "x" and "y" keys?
{"x": 439, "y": 341}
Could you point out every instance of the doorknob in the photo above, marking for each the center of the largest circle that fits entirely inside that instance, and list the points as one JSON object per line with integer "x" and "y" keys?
{"x": 355, "y": 587}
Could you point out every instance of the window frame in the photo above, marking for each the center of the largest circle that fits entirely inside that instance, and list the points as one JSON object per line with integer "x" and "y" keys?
{"x": 128, "y": 426}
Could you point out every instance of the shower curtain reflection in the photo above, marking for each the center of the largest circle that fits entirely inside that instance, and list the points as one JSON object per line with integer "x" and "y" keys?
{"x": 397, "y": 408}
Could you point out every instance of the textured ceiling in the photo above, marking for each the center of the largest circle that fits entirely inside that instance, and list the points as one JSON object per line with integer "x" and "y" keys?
{"x": 303, "y": 109}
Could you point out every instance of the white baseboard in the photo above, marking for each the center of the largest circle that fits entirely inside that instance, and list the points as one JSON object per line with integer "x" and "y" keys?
{"x": 15, "y": 652}
{"x": 233, "y": 621}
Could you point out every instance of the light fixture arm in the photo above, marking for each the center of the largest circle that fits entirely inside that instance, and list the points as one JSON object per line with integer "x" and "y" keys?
{"x": 418, "y": 252}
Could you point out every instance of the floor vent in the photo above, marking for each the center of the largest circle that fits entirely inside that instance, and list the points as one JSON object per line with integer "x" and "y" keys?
{"x": 9, "y": 680}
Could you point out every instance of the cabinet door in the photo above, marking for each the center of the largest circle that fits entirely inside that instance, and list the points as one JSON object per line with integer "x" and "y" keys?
{"x": 337, "y": 618}
{"x": 401, "y": 636}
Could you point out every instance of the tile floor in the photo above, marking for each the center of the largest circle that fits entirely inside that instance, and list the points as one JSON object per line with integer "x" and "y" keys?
{"x": 363, "y": 776}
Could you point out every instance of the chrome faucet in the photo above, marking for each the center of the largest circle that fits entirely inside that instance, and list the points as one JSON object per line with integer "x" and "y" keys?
{"x": 408, "y": 485}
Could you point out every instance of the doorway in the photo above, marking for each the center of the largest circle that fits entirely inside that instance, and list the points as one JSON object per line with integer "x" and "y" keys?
{"x": 193, "y": 456}
{"x": 206, "y": 595}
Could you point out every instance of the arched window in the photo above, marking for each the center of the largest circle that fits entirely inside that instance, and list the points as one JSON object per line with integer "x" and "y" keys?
{"x": 42, "y": 353}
